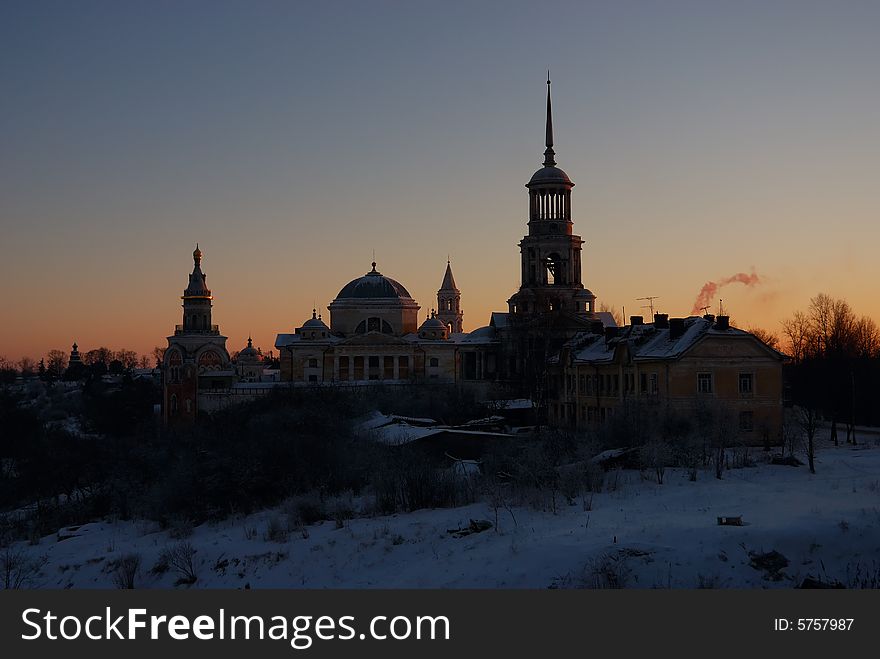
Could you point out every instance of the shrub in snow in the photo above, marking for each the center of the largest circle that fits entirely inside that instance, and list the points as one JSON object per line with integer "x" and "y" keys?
{"x": 125, "y": 571}
{"x": 181, "y": 558}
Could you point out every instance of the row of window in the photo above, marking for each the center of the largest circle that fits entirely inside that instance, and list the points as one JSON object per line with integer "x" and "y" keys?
{"x": 372, "y": 367}
{"x": 609, "y": 384}
{"x": 745, "y": 383}
{"x": 598, "y": 414}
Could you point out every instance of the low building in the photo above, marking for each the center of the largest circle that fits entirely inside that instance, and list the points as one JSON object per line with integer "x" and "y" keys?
{"x": 374, "y": 336}
{"x": 687, "y": 366}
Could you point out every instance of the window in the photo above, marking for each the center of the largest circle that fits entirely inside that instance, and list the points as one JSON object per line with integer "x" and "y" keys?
{"x": 358, "y": 368}
{"x": 173, "y": 404}
{"x": 704, "y": 383}
{"x": 746, "y": 421}
{"x": 746, "y": 383}
{"x": 373, "y": 368}
{"x": 403, "y": 368}
{"x": 209, "y": 360}
{"x": 313, "y": 378}
{"x": 643, "y": 383}
{"x": 189, "y": 405}
{"x": 434, "y": 362}
{"x": 654, "y": 388}
{"x": 313, "y": 363}
{"x": 343, "y": 368}
{"x": 388, "y": 368}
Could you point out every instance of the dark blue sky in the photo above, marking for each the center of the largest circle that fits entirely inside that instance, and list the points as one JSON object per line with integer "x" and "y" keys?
{"x": 291, "y": 139}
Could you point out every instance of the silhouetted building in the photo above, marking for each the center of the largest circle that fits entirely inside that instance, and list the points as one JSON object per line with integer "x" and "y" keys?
{"x": 196, "y": 358}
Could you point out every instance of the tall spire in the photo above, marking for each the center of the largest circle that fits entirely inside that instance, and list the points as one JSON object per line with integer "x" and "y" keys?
{"x": 448, "y": 280}
{"x": 549, "y": 153}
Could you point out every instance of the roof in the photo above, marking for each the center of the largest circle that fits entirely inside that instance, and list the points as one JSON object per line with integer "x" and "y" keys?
{"x": 606, "y": 317}
{"x": 648, "y": 343}
{"x": 499, "y": 319}
{"x": 549, "y": 176}
{"x": 373, "y": 285}
{"x": 448, "y": 280}
{"x": 315, "y": 322}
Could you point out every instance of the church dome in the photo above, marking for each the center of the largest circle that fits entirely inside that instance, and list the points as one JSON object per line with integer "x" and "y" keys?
{"x": 433, "y": 328}
{"x": 373, "y": 285}
{"x": 250, "y": 353}
{"x": 549, "y": 176}
{"x": 315, "y": 322}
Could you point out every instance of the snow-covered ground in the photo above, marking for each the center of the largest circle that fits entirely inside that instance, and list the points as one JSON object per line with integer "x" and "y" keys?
{"x": 639, "y": 535}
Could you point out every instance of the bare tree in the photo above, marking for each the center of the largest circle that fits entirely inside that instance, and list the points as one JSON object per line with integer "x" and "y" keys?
{"x": 27, "y": 366}
{"x": 102, "y": 355}
{"x": 808, "y": 419}
{"x": 158, "y": 354}
{"x": 617, "y": 315}
{"x": 866, "y": 337}
{"x": 19, "y": 569}
{"x": 128, "y": 358}
{"x": 56, "y": 362}
{"x": 126, "y": 570}
{"x": 765, "y": 336}
{"x": 797, "y": 332}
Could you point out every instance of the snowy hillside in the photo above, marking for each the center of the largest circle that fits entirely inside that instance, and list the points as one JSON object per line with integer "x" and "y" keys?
{"x": 634, "y": 533}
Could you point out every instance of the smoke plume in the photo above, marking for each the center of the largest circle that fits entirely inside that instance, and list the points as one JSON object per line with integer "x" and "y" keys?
{"x": 710, "y": 288}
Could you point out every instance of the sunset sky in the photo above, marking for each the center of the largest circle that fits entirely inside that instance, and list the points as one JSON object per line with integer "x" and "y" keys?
{"x": 291, "y": 139}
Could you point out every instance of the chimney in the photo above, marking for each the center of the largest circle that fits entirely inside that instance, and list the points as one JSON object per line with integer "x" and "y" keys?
{"x": 722, "y": 322}
{"x": 676, "y": 328}
{"x": 636, "y": 320}
{"x": 661, "y": 321}
{"x": 610, "y": 333}
{"x": 710, "y": 317}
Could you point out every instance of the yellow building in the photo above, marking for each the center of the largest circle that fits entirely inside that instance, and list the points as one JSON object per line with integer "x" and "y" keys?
{"x": 374, "y": 336}
{"x": 685, "y": 365}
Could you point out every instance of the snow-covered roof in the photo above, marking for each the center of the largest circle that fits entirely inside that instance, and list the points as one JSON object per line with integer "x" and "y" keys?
{"x": 647, "y": 342}
{"x": 606, "y": 317}
{"x": 480, "y": 335}
{"x": 376, "y": 419}
{"x": 499, "y": 319}
{"x": 511, "y": 404}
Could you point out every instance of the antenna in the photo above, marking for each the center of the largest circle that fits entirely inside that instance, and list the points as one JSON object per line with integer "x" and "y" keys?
{"x": 650, "y": 305}
{"x": 705, "y": 310}
{"x": 720, "y": 307}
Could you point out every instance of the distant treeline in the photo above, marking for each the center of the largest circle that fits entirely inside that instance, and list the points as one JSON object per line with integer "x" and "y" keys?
{"x": 835, "y": 362}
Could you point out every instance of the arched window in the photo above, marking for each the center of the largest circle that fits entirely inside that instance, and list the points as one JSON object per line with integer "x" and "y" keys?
{"x": 555, "y": 269}
{"x": 174, "y": 360}
{"x": 210, "y": 361}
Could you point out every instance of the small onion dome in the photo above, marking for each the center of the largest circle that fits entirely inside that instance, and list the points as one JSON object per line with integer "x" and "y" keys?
{"x": 197, "y": 253}
{"x": 433, "y": 328}
{"x": 250, "y": 353}
{"x": 315, "y": 327}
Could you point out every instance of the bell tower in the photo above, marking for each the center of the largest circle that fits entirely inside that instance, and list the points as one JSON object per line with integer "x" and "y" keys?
{"x": 197, "y": 299}
{"x": 551, "y": 304}
{"x": 551, "y": 252}
{"x": 449, "y": 302}
{"x": 196, "y": 358}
